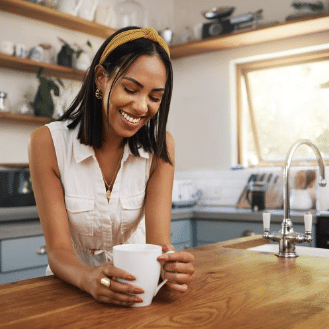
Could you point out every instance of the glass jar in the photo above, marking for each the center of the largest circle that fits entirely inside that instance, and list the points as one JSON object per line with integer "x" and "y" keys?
{"x": 128, "y": 13}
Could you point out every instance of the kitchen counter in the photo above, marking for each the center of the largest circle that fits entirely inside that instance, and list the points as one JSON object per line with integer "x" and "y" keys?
{"x": 232, "y": 288}
{"x": 236, "y": 214}
{"x": 23, "y": 221}
{"x": 18, "y": 213}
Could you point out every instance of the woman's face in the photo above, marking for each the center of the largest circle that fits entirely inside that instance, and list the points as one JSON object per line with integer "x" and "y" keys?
{"x": 136, "y": 96}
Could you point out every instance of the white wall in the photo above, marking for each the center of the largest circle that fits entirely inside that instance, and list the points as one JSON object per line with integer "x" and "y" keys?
{"x": 200, "y": 116}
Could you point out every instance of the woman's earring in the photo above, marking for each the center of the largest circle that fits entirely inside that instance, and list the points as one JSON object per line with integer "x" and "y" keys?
{"x": 98, "y": 94}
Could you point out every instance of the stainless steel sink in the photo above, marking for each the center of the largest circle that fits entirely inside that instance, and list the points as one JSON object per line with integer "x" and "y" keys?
{"x": 300, "y": 250}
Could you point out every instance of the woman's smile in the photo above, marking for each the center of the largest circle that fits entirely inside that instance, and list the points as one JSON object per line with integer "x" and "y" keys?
{"x": 126, "y": 117}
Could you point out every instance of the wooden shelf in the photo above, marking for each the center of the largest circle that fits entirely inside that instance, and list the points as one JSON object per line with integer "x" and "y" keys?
{"x": 23, "y": 117}
{"x": 253, "y": 36}
{"x": 55, "y": 17}
{"x": 28, "y": 65}
{"x": 242, "y": 38}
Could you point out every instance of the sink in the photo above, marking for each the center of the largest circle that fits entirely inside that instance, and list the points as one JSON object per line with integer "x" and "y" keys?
{"x": 300, "y": 250}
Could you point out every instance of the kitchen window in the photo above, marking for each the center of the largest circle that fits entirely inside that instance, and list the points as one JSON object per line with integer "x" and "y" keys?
{"x": 279, "y": 101}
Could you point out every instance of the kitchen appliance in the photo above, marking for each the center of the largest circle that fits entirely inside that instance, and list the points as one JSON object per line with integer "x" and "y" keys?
{"x": 185, "y": 193}
{"x": 322, "y": 230}
{"x": 221, "y": 23}
{"x": 15, "y": 187}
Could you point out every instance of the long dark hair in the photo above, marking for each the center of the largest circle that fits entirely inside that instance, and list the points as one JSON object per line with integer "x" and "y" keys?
{"x": 86, "y": 109}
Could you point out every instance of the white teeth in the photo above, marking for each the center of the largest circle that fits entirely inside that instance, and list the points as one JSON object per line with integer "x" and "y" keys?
{"x": 130, "y": 119}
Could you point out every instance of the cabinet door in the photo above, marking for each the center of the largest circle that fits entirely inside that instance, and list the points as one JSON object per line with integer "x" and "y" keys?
{"x": 22, "y": 253}
{"x": 22, "y": 275}
{"x": 181, "y": 233}
{"x": 216, "y": 231}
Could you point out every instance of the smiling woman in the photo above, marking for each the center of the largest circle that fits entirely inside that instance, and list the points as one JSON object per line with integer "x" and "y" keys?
{"x": 135, "y": 98}
{"x": 103, "y": 173}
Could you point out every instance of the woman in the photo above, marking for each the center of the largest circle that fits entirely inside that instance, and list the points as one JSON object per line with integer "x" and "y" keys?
{"x": 102, "y": 175}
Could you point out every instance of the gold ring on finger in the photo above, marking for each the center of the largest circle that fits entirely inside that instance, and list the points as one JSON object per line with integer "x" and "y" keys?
{"x": 106, "y": 282}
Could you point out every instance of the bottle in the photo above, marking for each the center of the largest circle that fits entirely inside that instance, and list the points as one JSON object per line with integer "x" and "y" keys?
{"x": 3, "y": 102}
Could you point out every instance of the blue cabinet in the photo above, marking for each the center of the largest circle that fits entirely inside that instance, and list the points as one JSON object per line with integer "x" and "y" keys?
{"x": 22, "y": 258}
{"x": 212, "y": 231}
{"x": 181, "y": 234}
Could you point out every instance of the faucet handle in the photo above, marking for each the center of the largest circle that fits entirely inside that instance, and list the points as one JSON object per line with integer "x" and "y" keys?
{"x": 308, "y": 222}
{"x": 266, "y": 221}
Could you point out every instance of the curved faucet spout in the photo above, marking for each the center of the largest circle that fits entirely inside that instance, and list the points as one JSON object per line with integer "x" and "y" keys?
{"x": 322, "y": 181}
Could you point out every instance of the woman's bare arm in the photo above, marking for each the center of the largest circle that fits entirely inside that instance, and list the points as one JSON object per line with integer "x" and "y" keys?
{"x": 49, "y": 195}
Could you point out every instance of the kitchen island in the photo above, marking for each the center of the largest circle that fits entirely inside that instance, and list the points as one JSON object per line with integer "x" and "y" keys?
{"x": 232, "y": 288}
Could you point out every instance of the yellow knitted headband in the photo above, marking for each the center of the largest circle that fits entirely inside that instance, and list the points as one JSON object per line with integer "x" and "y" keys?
{"x": 130, "y": 35}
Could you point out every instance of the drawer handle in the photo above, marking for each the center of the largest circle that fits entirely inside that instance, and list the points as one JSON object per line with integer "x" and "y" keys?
{"x": 42, "y": 251}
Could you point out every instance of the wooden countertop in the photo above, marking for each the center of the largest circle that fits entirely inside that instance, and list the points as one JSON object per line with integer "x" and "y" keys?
{"x": 232, "y": 288}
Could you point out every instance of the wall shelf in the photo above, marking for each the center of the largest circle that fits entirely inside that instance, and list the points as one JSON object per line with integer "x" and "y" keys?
{"x": 23, "y": 117}
{"x": 55, "y": 17}
{"x": 242, "y": 38}
{"x": 248, "y": 37}
{"x": 28, "y": 65}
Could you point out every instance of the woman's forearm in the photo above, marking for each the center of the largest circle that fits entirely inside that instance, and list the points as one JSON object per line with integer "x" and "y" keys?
{"x": 65, "y": 265}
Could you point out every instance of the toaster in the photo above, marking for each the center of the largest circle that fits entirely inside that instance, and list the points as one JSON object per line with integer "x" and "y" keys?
{"x": 185, "y": 193}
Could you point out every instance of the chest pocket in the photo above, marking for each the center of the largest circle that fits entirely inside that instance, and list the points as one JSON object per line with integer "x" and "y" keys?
{"x": 132, "y": 208}
{"x": 81, "y": 213}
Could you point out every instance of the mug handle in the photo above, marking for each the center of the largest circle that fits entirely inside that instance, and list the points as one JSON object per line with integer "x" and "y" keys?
{"x": 164, "y": 281}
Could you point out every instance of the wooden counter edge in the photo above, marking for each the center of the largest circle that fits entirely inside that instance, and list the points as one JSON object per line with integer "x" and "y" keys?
{"x": 243, "y": 242}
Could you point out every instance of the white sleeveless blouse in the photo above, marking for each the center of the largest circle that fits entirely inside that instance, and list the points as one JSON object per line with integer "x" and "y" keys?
{"x": 97, "y": 225}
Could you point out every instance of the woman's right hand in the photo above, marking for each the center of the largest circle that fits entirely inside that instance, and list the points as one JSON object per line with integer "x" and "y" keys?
{"x": 116, "y": 292}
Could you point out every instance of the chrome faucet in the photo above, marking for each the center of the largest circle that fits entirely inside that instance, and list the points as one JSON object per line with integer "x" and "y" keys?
{"x": 287, "y": 238}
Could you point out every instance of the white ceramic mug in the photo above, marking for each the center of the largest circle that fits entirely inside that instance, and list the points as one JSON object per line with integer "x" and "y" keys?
{"x": 7, "y": 47}
{"x": 141, "y": 261}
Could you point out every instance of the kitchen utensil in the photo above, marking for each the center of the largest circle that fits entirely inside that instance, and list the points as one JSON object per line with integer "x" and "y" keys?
{"x": 300, "y": 179}
{"x": 3, "y": 102}
{"x": 255, "y": 195}
{"x": 141, "y": 261}
{"x": 271, "y": 183}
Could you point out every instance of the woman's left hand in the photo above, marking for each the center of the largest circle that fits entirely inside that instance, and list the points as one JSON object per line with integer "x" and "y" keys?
{"x": 177, "y": 268}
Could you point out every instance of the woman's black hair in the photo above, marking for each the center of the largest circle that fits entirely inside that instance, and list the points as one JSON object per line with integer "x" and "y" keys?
{"x": 86, "y": 109}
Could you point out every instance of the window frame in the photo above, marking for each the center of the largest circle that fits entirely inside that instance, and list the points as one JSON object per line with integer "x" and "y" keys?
{"x": 241, "y": 70}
